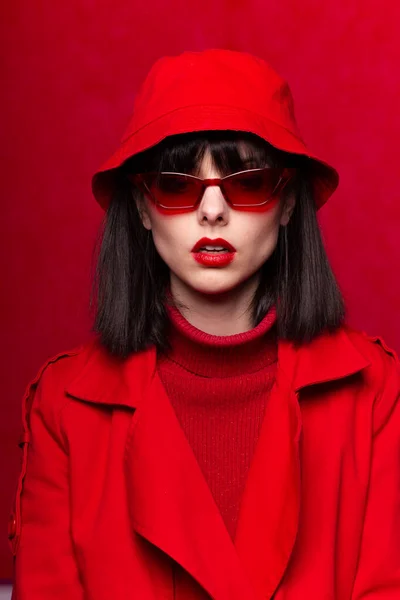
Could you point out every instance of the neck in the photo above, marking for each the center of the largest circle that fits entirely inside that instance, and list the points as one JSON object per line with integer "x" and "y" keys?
{"x": 226, "y": 313}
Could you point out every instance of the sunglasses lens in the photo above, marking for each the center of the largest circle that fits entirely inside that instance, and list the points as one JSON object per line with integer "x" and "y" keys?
{"x": 252, "y": 188}
{"x": 173, "y": 190}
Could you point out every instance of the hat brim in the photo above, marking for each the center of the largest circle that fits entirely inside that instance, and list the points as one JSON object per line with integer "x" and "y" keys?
{"x": 105, "y": 181}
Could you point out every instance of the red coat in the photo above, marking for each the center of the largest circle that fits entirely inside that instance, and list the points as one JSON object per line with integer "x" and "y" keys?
{"x": 112, "y": 505}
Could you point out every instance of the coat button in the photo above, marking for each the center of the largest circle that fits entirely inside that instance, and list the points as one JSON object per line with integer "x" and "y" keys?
{"x": 12, "y": 526}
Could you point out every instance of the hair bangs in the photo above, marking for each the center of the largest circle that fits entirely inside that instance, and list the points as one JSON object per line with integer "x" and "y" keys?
{"x": 231, "y": 151}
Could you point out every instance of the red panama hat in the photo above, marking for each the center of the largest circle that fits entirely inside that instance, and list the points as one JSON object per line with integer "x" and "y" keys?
{"x": 212, "y": 90}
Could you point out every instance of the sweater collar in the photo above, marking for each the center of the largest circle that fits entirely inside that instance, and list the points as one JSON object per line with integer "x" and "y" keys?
{"x": 221, "y": 356}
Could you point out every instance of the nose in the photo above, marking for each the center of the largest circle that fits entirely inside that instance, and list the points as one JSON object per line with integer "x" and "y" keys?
{"x": 213, "y": 207}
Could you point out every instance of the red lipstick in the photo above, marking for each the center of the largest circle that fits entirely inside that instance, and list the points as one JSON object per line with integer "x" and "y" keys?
{"x": 213, "y": 253}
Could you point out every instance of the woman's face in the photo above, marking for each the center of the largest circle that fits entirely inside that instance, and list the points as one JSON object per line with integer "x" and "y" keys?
{"x": 253, "y": 235}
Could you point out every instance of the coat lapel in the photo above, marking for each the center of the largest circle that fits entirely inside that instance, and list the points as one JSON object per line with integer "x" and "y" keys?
{"x": 170, "y": 502}
{"x": 270, "y": 510}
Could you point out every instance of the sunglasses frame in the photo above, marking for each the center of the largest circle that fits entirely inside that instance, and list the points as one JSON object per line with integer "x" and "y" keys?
{"x": 139, "y": 179}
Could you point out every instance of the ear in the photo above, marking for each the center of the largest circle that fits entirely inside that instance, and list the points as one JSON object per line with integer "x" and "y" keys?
{"x": 288, "y": 208}
{"x": 143, "y": 212}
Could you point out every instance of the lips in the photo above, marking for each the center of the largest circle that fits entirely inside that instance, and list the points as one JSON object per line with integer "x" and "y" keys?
{"x": 218, "y": 244}
{"x": 213, "y": 253}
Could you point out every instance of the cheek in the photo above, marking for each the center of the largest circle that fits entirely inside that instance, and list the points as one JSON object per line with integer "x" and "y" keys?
{"x": 168, "y": 234}
{"x": 261, "y": 234}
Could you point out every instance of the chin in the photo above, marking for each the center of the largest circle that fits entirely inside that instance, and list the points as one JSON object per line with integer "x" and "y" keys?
{"x": 213, "y": 292}
{"x": 213, "y": 288}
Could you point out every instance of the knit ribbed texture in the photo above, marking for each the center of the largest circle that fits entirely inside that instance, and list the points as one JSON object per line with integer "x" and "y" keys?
{"x": 219, "y": 387}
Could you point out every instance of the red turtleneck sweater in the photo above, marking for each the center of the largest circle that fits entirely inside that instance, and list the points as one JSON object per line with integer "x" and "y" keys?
{"x": 219, "y": 387}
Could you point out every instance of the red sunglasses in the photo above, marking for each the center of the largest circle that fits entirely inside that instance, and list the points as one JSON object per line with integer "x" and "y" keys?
{"x": 242, "y": 190}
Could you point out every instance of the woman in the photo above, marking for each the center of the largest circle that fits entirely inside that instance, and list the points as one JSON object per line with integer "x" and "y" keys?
{"x": 225, "y": 435}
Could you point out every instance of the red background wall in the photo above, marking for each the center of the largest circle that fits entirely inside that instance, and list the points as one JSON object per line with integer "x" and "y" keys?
{"x": 69, "y": 74}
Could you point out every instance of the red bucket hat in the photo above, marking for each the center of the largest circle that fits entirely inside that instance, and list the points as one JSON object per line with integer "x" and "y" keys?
{"x": 212, "y": 90}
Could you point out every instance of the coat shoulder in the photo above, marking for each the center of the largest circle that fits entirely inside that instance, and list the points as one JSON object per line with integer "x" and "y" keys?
{"x": 58, "y": 369}
{"x": 374, "y": 349}
{"x": 383, "y": 373}
{"x": 47, "y": 388}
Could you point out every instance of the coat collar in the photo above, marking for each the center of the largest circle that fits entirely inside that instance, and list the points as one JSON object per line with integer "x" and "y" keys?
{"x": 108, "y": 380}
